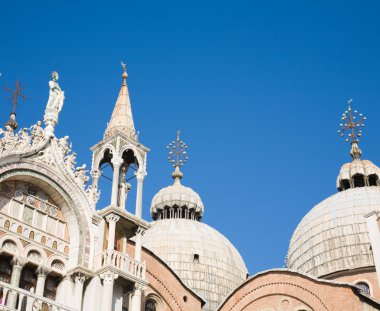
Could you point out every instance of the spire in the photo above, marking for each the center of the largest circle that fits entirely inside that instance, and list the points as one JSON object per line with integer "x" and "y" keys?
{"x": 353, "y": 123}
{"x": 121, "y": 119}
{"x": 177, "y": 157}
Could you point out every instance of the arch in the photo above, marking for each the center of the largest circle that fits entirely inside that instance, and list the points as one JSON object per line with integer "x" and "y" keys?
{"x": 8, "y": 237}
{"x": 31, "y": 235}
{"x": 35, "y": 248}
{"x": 358, "y": 180}
{"x": 19, "y": 229}
{"x": 7, "y": 224}
{"x": 99, "y": 157}
{"x": 65, "y": 192}
{"x": 137, "y": 155}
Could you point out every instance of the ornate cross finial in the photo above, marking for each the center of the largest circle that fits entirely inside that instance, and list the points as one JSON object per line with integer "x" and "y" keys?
{"x": 16, "y": 93}
{"x": 177, "y": 154}
{"x": 352, "y": 124}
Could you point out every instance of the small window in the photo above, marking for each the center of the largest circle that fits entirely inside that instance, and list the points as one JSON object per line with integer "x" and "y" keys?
{"x": 364, "y": 288}
{"x": 196, "y": 258}
{"x": 150, "y": 305}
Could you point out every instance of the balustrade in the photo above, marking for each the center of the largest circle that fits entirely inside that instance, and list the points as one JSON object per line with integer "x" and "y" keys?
{"x": 26, "y": 301}
{"x": 121, "y": 262}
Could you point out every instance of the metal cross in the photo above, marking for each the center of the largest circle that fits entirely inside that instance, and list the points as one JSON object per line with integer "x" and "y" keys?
{"x": 177, "y": 154}
{"x": 16, "y": 94}
{"x": 352, "y": 124}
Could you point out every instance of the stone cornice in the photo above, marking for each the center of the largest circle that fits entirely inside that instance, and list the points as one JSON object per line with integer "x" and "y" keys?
{"x": 125, "y": 215}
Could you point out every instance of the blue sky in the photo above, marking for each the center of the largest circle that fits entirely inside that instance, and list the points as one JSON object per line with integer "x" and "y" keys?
{"x": 257, "y": 88}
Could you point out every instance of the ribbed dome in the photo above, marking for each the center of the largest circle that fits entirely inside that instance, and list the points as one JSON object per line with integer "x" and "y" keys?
{"x": 177, "y": 201}
{"x": 202, "y": 257}
{"x": 176, "y": 195}
{"x": 333, "y": 236}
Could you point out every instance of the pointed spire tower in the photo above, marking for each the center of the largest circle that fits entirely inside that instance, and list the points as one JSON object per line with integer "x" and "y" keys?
{"x": 121, "y": 149}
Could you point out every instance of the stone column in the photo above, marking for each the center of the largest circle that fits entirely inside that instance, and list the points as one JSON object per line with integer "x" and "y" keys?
{"x": 108, "y": 278}
{"x": 374, "y": 237}
{"x": 138, "y": 242}
{"x": 140, "y": 175}
{"x": 78, "y": 290}
{"x": 95, "y": 174}
{"x": 111, "y": 219}
{"x": 136, "y": 297}
{"x": 116, "y": 163}
{"x": 17, "y": 263}
{"x": 125, "y": 244}
{"x": 42, "y": 273}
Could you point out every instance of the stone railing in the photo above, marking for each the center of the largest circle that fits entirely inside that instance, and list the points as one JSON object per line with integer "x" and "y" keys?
{"x": 121, "y": 262}
{"x": 13, "y": 298}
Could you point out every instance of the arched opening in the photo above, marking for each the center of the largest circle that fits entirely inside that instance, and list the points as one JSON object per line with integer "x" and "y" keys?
{"x": 344, "y": 185}
{"x": 358, "y": 180}
{"x": 373, "y": 180}
{"x": 5, "y": 269}
{"x": 28, "y": 279}
{"x": 44, "y": 206}
{"x": 150, "y": 305}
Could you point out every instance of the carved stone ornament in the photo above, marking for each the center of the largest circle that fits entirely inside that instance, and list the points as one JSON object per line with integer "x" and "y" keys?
{"x": 34, "y": 256}
{"x": 23, "y": 141}
{"x": 93, "y": 195}
{"x": 109, "y": 277}
{"x": 10, "y": 246}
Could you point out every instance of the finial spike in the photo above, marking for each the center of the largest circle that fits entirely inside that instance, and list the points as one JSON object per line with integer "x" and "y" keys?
{"x": 124, "y": 75}
{"x": 16, "y": 94}
{"x": 351, "y": 127}
{"x": 177, "y": 156}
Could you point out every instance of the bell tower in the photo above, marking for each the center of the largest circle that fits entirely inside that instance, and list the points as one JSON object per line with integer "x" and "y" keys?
{"x": 119, "y": 261}
{"x": 121, "y": 149}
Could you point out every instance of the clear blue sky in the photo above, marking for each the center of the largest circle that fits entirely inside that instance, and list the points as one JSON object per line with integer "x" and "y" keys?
{"x": 257, "y": 88}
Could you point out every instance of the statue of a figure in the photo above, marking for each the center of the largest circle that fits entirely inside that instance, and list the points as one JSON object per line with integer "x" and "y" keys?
{"x": 123, "y": 193}
{"x": 54, "y": 104}
{"x": 23, "y": 138}
{"x": 56, "y": 95}
{"x": 9, "y": 138}
{"x": 64, "y": 145}
{"x": 80, "y": 172}
{"x": 37, "y": 133}
{"x": 70, "y": 161}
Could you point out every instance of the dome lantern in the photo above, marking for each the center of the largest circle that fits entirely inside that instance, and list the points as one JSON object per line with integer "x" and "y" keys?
{"x": 177, "y": 201}
{"x": 358, "y": 173}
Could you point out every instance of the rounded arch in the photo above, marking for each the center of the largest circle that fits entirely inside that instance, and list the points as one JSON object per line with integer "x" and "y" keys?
{"x": 137, "y": 155}
{"x": 363, "y": 281}
{"x": 72, "y": 202}
{"x": 99, "y": 157}
{"x": 30, "y": 248}
{"x": 7, "y": 237}
{"x": 152, "y": 296}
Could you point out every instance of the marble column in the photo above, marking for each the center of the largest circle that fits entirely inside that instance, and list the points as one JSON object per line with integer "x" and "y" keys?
{"x": 78, "y": 290}
{"x": 138, "y": 243}
{"x": 95, "y": 174}
{"x": 111, "y": 219}
{"x": 42, "y": 273}
{"x": 140, "y": 175}
{"x": 116, "y": 163}
{"x": 17, "y": 263}
{"x": 108, "y": 278}
{"x": 136, "y": 297}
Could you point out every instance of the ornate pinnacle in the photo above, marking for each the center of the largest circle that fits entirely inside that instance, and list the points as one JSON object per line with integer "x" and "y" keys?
{"x": 352, "y": 124}
{"x": 177, "y": 155}
{"x": 124, "y": 75}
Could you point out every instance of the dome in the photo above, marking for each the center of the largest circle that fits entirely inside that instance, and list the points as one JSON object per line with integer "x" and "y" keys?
{"x": 173, "y": 196}
{"x": 201, "y": 256}
{"x": 333, "y": 236}
{"x": 177, "y": 201}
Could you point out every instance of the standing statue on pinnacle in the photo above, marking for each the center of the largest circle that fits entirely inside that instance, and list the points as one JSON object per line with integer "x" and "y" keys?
{"x": 54, "y": 104}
